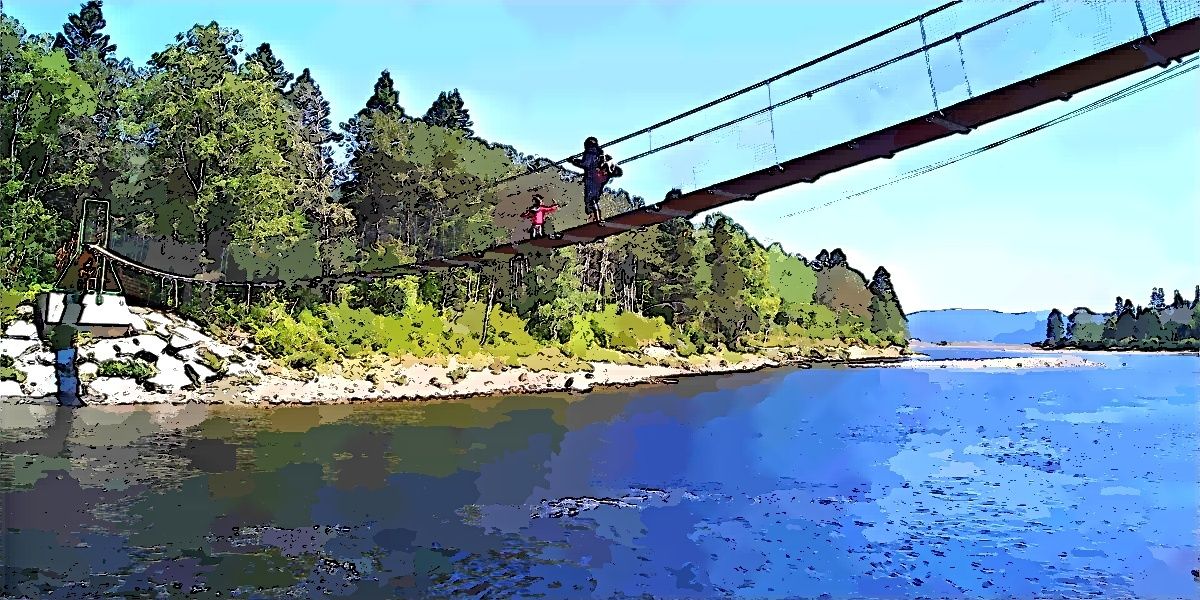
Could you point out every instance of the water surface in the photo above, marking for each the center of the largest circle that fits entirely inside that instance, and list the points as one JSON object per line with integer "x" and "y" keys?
{"x": 823, "y": 483}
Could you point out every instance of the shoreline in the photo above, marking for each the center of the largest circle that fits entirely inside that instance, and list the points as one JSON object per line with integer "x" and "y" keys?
{"x": 1032, "y": 347}
{"x": 183, "y": 365}
{"x": 276, "y": 390}
{"x": 1176, "y": 351}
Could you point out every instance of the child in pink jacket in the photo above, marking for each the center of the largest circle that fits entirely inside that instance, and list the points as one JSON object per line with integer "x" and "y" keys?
{"x": 537, "y": 213}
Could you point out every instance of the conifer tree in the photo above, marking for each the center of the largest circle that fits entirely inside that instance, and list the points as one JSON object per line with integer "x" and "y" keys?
{"x": 81, "y": 33}
{"x": 448, "y": 111}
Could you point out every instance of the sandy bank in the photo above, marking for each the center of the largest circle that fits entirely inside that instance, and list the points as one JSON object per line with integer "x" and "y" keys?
{"x": 1062, "y": 361}
{"x": 426, "y": 382}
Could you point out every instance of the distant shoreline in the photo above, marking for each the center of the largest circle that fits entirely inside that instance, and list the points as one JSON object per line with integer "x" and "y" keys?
{"x": 1034, "y": 346}
{"x": 1117, "y": 350}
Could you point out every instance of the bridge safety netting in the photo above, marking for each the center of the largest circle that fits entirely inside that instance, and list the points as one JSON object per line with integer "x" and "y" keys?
{"x": 951, "y": 53}
{"x": 964, "y": 50}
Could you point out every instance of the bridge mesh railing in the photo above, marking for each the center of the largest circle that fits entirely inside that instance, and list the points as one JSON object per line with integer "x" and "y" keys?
{"x": 1031, "y": 40}
{"x": 874, "y": 89}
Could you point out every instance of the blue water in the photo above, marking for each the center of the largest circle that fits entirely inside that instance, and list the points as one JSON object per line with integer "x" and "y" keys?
{"x": 822, "y": 483}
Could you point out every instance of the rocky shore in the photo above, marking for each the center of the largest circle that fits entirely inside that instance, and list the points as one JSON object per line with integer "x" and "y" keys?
{"x": 169, "y": 360}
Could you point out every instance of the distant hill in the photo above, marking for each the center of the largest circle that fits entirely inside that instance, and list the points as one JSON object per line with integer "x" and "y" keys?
{"x": 977, "y": 325}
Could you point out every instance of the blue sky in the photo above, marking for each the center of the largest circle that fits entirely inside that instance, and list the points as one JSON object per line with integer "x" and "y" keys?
{"x": 1104, "y": 205}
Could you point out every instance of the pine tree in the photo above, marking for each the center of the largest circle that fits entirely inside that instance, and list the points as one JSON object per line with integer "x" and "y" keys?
{"x": 821, "y": 261}
{"x": 672, "y": 272}
{"x": 316, "y": 126}
{"x": 81, "y": 33}
{"x": 272, "y": 66}
{"x": 881, "y": 282}
{"x": 1120, "y": 307}
{"x": 837, "y": 257}
{"x": 1055, "y": 331}
{"x": 448, "y": 111}
{"x": 887, "y": 316}
{"x": 1157, "y": 299}
{"x": 385, "y": 98}
{"x": 1178, "y": 302}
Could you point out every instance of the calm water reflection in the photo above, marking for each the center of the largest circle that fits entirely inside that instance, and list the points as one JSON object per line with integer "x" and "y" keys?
{"x": 826, "y": 482}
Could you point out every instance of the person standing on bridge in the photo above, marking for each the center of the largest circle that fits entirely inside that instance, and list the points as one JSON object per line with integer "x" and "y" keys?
{"x": 537, "y": 213}
{"x": 597, "y": 171}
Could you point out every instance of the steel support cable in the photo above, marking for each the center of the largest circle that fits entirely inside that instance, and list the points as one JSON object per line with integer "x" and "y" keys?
{"x": 1142, "y": 18}
{"x": 1145, "y": 84}
{"x": 707, "y": 105}
{"x": 962, "y": 59}
{"x": 929, "y": 67}
{"x": 1170, "y": 73}
{"x": 832, "y": 84}
{"x": 772, "y": 106}
{"x": 729, "y": 96}
{"x": 746, "y": 89}
{"x": 935, "y": 166}
{"x": 774, "y": 146}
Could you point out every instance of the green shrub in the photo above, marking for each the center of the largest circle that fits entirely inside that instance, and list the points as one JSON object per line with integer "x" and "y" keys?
{"x": 629, "y": 331}
{"x": 507, "y": 335}
{"x": 457, "y": 374}
{"x": 211, "y": 360}
{"x": 9, "y": 371}
{"x": 299, "y": 342}
{"x": 138, "y": 369}
{"x": 10, "y": 300}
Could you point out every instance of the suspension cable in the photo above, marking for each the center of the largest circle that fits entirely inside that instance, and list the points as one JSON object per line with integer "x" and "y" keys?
{"x": 963, "y": 61}
{"x": 1141, "y": 86}
{"x": 727, "y": 124}
{"x": 712, "y": 103}
{"x": 732, "y": 95}
{"x": 1163, "y": 9}
{"x": 827, "y": 86}
{"x": 1141, "y": 17}
{"x": 929, "y": 66}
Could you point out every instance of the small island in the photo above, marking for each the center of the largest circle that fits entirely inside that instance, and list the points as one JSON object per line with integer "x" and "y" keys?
{"x": 1157, "y": 327}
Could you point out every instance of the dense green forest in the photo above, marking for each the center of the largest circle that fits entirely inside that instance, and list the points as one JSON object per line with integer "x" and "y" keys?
{"x": 1159, "y": 326}
{"x": 220, "y": 161}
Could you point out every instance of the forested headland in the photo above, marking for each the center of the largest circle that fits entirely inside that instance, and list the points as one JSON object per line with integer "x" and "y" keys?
{"x": 222, "y": 161}
{"x": 1158, "y": 326}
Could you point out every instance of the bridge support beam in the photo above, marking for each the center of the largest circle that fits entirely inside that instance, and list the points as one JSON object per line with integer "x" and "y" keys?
{"x": 670, "y": 212}
{"x": 941, "y": 120}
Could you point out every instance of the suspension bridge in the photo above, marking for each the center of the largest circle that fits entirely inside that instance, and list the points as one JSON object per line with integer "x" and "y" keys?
{"x": 1125, "y": 40}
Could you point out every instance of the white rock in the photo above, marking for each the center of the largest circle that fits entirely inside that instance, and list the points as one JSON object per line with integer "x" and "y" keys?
{"x": 22, "y": 330}
{"x": 16, "y": 348}
{"x": 221, "y": 350}
{"x": 102, "y": 351}
{"x": 155, "y": 318}
{"x": 88, "y": 368}
{"x": 141, "y": 343}
{"x": 11, "y": 390}
{"x": 37, "y": 357}
{"x": 171, "y": 375}
{"x": 579, "y": 384}
{"x": 185, "y": 337}
{"x": 139, "y": 310}
{"x": 39, "y": 380}
{"x": 138, "y": 324}
{"x": 25, "y": 310}
{"x": 235, "y": 369}
{"x": 115, "y": 390}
